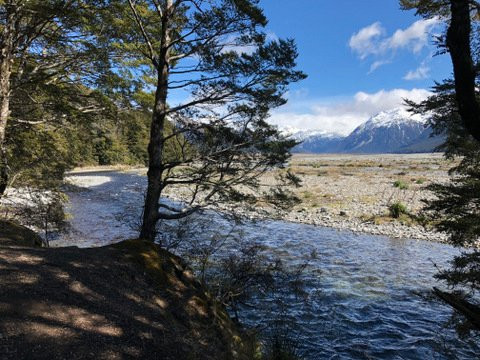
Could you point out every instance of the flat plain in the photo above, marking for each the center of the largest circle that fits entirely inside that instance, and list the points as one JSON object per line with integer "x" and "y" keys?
{"x": 356, "y": 192}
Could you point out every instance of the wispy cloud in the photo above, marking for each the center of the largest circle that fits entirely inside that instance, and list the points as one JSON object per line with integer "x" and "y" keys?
{"x": 372, "y": 41}
{"x": 344, "y": 115}
{"x": 420, "y": 73}
{"x": 365, "y": 42}
{"x": 377, "y": 64}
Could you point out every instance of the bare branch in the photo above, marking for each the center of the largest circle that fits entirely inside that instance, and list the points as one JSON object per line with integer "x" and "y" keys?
{"x": 158, "y": 8}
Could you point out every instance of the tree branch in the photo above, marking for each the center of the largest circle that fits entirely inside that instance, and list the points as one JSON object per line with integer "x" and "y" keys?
{"x": 139, "y": 22}
{"x": 177, "y": 216}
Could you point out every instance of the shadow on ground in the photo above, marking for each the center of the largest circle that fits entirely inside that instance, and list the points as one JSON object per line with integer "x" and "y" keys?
{"x": 129, "y": 300}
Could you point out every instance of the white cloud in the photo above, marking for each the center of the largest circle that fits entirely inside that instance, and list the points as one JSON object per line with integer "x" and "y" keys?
{"x": 345, "y": 115}
{"x": 377, "y": 64}
{"x": 365, "y": 41}
{"x": 373, "y": 41}
{"x": 415, "y": 37}
{"x": 420, "y": 73}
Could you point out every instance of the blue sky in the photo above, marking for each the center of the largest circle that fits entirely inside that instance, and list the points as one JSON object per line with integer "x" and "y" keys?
{"x": 361, "y": 57}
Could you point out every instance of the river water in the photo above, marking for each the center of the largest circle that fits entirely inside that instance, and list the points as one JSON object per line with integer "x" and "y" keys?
{"x": 363, "y": 290}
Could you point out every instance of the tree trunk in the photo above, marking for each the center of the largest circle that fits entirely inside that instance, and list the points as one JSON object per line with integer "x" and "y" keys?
{"x": 6, "y": 61}
{"x": 4, "y": 113}
{"x": 157, "y": 128}
{"x": 458, "y": 43}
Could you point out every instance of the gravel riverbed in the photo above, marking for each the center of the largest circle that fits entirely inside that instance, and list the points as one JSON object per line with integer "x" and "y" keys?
{"x": 354, "y": 192}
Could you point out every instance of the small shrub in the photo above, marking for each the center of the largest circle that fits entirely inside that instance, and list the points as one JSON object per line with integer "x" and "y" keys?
{"x": 397, "y": 209}
{"x": 420, "y": 181}
{"x": 307, "y": 195}
{"x": 400, "y": 185}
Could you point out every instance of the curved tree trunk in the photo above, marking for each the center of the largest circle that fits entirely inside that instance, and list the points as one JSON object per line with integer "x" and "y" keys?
{"x": 458, "y": 43}
{"x": 157, "y": 129}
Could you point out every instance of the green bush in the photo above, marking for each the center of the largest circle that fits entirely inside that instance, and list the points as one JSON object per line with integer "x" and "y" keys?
{"x": 400, "y": 184}
{"x": 397, "y": 209}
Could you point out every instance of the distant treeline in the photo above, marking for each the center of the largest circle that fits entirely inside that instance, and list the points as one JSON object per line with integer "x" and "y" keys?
{"x": 57, "y": 127}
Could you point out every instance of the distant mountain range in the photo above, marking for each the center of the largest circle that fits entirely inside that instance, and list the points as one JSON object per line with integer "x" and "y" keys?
{"x": 393, "y": 131}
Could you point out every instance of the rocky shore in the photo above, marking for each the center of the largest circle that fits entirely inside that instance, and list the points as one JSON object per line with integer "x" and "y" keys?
{"x": 341, "y": 221}
{"x": 354, "y": 193}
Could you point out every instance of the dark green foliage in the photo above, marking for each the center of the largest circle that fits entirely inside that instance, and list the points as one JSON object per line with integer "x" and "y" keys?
{"x": 397, "y": 209}
{"x": 464, "y": 271}
{"x": 456, "y": 210}
{"x": 458, "y": 202}
{"x": 39, "y": 157}
{"x": 427, "y": 8}
{"x": 54, "y": 128}
{"x": 400, "y": 185}
{"x": 78, "y": 143}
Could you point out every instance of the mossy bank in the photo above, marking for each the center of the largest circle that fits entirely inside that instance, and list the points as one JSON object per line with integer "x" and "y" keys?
{"x": 128, "y": 300}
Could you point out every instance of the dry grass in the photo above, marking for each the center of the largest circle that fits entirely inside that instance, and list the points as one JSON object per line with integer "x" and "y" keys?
{"x": 363, "y": 184}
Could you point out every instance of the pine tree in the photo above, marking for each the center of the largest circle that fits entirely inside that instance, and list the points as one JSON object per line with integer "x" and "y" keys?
{"x": 43, "y": 42}
{"x": 215, "y": 58}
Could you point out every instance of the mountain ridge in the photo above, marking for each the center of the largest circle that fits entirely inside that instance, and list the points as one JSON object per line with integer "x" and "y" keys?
{"x": 392, "y": 131}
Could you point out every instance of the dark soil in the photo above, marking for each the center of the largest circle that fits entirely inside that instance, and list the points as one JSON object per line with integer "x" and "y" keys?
{"x": 130, "y": 300}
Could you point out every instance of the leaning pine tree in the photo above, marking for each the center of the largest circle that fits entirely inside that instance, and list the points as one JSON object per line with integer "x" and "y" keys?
{"x": 215, "y": 77}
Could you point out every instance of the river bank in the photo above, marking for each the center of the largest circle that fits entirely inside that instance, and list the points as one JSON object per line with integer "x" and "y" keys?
{"x": 354, "y": 193}
{"x": 344, "y": 192}
{"x": 128, "y": 300}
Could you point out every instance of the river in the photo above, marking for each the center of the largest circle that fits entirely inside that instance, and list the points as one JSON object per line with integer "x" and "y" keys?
{"x": 362, "y": 289}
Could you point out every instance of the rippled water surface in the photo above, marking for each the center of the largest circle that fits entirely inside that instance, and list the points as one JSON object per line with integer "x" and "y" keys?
{"x": 364, "y": 301}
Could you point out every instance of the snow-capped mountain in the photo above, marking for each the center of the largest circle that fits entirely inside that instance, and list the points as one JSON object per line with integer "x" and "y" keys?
{"x": 301, "y": 135}
{"x": 386, "y": 132}
{"x": 317, "y": 142}
{"x": 393, "y": 131}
